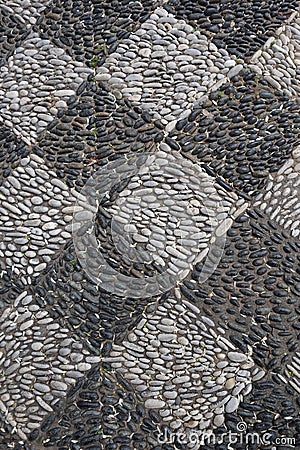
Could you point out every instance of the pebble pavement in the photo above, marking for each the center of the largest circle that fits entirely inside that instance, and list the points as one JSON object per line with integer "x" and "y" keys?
{"x": 166, "y": 66}
{"x": 278, "y": 59}
{"x": 94, "y": 354}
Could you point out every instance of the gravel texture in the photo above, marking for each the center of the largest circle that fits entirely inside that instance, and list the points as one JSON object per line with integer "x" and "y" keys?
{"x": 240, "y": 27}
{"x": 36, "y": 83}
{"x": 149, "y": 232}
{"x": 166, "y": 66}
{"x": 280, "y": 200}
{"x": 278, "y": 59}
{"x": 35, "y": 210}
{"x": 247, "y": 130}
{"x": 184, "y": 367}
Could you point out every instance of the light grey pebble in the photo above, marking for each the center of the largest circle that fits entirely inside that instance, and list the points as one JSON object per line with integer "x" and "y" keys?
{"x": 153, "y": 403}
{"x": 26, "y": 325}
{"x": 59, "y": 385}
{"x": 237, "y": 357}
{"x": 43, "y": 404}
{"x": 232, "y": 405}
{"x": 36, "y": 346}
{"x": 41, "y": 387}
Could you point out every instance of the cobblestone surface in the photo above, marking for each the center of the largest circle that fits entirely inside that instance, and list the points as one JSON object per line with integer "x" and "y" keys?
{"x": 148, "y": 144}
